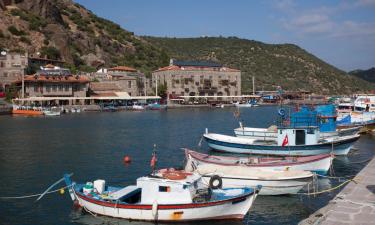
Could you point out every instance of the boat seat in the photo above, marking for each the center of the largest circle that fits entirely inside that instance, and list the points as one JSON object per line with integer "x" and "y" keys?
{"x": 121, "y": 193}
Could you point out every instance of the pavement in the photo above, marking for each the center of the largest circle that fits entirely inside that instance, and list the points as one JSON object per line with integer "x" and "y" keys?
{"x": 355, "y": 204}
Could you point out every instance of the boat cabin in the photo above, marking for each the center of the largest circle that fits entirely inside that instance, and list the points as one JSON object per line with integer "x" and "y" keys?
{"x": 298, "y": 136}
{"x": 166, "y": 191}
{"x": 148, "y": 190}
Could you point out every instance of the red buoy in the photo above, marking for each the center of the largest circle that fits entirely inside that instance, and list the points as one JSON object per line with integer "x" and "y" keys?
{"x": 127, "y": 159}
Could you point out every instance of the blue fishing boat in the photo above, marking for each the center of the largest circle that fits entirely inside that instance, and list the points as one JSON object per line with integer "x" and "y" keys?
{"x": 290, "y": 141}
{"x": 323, "y": 116}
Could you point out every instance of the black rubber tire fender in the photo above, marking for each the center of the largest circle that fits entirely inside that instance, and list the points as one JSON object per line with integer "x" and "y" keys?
{"x": 216, "y": 182}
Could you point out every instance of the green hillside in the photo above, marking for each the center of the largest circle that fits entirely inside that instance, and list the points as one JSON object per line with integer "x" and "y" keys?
{"x": 284, "y": 65}
{"x": 368, "y": 75}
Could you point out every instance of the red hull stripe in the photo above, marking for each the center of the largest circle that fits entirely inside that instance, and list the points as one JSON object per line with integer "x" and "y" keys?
{"x": 149, "y": 207}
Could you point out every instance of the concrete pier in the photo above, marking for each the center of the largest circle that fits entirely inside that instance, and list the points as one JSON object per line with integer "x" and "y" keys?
{"x": 355, "y": 204}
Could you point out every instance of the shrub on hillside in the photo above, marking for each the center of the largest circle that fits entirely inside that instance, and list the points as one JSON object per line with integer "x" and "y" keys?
{"x": 13, "y": 30}
{"x": 50, "y": 52}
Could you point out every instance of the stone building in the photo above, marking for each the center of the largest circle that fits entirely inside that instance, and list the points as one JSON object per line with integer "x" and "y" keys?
{"x": 53, "y": 81}
{"x": 12, "y": 67}
{"x": 120, "y": 78}
{"x": 198, "y": 78}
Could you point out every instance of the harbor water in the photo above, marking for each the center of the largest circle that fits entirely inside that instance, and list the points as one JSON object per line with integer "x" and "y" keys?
{"x": 36, "y": 151}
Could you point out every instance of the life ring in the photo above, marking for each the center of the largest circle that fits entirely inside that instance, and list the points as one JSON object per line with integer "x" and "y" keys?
{"x": 216, "y": 182}
{"x": 281, "y": 112}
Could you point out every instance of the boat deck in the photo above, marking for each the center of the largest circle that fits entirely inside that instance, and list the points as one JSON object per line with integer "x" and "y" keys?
{"x": 355, "y": 204}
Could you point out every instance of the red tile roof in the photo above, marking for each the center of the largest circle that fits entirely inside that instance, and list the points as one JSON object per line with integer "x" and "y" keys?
{"x": 55, "y": 79}
{"x": 122, "y": 68}
{"x": 177, "y": 68}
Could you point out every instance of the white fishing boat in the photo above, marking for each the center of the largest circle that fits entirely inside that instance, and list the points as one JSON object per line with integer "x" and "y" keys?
{"x": 272, "y": 182}
{"x": 166, "y": 196}
{"x": 138, "y": 107}
{"x": 51, "y": 113}
{"x": 54, "y": 111}
{"x": 319, "y": 164}
{"x": 247, "y": 104}
{"x": 290, "y": 141}
{"x": 270, "y": 133}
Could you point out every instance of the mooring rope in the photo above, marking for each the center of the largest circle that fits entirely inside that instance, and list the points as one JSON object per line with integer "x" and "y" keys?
{"x": 327, "y": 190}
{"x": 34, "y": 195}
{"x": 332, "y": 177}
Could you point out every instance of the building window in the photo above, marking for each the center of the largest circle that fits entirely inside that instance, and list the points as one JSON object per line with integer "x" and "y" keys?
{"x": 35, "y": 88}
{"x": 2, "y": 64}
{"x": 66, "y": 87}
{"x": 164, "y": 189}
{"x": 48, "y": 88}
{"x": 5, "y": 74}
{"x": 54, "y": 87}
{"x": 60, "y": 87}
{"x": 129, "y": 84}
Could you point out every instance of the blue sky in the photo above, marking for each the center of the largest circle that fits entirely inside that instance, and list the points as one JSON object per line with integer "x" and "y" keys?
{"x": 340, "y": 32}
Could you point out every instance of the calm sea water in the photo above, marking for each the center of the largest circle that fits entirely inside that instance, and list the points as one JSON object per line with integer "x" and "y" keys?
{"x": 36, "y": 151}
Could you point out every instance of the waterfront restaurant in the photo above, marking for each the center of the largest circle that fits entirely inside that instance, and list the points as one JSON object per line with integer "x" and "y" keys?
{"x": 199, "y": 79}
{"x": 53, "y": 81}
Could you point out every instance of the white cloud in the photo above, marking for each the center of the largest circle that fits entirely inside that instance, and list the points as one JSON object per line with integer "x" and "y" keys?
{"x": 366, "y": 2}
{"x": 310, "y": 19}
{"x": 285, "y": 5}
{"x": 323, "y": 21}
{"x": 355, "y": 29}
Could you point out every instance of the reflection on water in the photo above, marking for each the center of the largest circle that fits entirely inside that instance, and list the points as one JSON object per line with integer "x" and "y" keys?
{"x": 37, "y": 151}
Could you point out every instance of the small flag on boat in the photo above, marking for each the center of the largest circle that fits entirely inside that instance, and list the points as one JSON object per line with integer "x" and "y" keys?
{"x": 153, "y": 160}
{"x": 285, "y": 141}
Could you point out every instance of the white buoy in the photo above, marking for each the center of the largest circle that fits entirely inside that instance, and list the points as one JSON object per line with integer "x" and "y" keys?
{"x": 206, "y": 130}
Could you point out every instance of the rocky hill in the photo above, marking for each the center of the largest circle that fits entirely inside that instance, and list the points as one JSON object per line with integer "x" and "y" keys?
{"x": 62, "y": 29}
{"x": 284, "y": 65}
{"x": 368, "y": 75}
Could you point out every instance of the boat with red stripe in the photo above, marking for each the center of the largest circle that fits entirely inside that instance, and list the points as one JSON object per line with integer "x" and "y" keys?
{"x": 164, "y": 196}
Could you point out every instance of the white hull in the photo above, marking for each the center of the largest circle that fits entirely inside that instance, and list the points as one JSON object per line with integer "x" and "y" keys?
{"x": 49, "y": 113}
{"x": 267, "y": 135}
{"x": 320, "y": 166}
{"x": 226, "y": 210}
{"x": 269, "y": 187}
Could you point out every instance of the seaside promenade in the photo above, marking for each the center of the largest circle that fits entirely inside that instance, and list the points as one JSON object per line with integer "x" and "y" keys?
{"x": 355, "y": 204}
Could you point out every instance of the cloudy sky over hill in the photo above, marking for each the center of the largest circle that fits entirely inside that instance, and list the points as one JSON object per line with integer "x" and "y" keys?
{"x": 340, "y": 32}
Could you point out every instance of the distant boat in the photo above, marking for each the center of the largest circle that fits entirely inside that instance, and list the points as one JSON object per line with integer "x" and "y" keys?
{"x": 138, "y": 107}
{"x": 165, "y": 196}
{"x": 318, "y": 164}
{"x": 25, "y": 110}
{"x": 248, "y": 104}
{"x": 154, "y": 106}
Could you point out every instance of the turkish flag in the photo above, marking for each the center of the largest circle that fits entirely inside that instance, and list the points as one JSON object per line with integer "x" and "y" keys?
{"x": 285, "y": 141}
{"x": 153, "y": 160}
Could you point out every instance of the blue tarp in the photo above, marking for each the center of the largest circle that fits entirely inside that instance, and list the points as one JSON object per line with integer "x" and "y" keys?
{"x": 322, "y": 116}
{"x": 346, "y": 120}
{"x": 327, "y": 120}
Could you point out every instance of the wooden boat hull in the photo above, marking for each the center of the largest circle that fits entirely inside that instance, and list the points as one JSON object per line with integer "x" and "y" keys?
{"x": 27, "y": 112}
{"x": 238, "y": 145}
{"x": 319, "y": 164}
{"x": 269, "y": 187}
{"x": 269, "y": 135}
{"x": 234, "y": 208}
{"x": 272, "y": 182}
